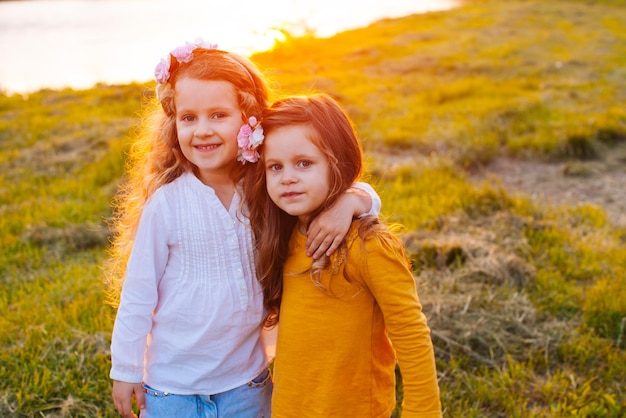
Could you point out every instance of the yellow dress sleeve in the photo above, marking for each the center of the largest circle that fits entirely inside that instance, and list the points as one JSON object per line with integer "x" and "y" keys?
{"x": 386, "y": 272}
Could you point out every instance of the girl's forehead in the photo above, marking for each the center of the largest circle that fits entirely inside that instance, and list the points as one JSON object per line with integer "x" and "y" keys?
{"x": 293, "y": 132}
{"x": 189, "y": 84}
{"x": 203, "y": 92}
{"x": 290, "y": 139}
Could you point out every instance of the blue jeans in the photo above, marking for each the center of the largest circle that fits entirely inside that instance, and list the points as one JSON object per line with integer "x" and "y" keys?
{"x": 252, "y": 400}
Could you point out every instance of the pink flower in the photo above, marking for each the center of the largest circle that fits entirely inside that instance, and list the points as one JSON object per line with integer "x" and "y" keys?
{"x": 183, "y": 53}
{"x": 249, "y": 155}
{"x": 250, "y": 136}
{"x": 243, "y": 138}
{"x": 199, "y": 43}
{"x": 162, "y": 71}
{"x": 257, "y": 137}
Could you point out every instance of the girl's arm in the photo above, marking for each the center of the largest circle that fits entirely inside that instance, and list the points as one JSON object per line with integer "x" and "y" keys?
{"x": 138, "y": 300}
{"x": 329, "y": 228}
{"x": 387, "y": 273}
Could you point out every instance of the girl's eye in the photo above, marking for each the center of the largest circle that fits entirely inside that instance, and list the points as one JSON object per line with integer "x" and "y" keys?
{"x": 305, "y": 163}
{"x": 219, "y": 115}
{"x": 187, "y": 118}
{"x": 274, "y": 167}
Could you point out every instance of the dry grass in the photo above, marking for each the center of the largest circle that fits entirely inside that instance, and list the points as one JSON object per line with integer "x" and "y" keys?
{"x": 472, "y": 283}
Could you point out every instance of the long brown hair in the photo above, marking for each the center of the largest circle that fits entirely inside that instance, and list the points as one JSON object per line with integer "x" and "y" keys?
{"x": 155, "y": 157}
{"x": 335, "y": 136}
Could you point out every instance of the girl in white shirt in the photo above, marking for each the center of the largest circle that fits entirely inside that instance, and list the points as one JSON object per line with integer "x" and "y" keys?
{"x": 186, "y": 337}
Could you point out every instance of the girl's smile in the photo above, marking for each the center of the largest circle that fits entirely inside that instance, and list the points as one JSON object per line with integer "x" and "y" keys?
{"x": 206, "y": 147}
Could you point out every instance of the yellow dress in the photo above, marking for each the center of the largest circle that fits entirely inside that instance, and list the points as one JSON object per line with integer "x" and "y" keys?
{"x": 334, "y": 357}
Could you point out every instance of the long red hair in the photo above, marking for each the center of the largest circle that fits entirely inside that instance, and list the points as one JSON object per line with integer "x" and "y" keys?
{"x": 335, "y": 136}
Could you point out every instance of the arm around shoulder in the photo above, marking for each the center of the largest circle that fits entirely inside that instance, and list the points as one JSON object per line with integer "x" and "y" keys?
{"x": 369, "y": 197}
{"x": 329, "y": 228}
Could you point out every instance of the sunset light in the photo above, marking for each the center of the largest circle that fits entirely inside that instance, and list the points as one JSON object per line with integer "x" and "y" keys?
{"x": 78, "y": 43}
{"x": 155, "y": 215}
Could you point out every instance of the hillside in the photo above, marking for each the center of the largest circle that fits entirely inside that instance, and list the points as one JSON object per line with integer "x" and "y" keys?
{"x": 494, "y": 133}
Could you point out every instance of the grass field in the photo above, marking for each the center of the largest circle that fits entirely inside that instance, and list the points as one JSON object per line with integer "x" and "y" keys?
{"x": 527, "y": 302}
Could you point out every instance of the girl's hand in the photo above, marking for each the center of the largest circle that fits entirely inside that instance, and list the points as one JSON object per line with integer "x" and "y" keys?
{"x": 123, "y": 398}
{"x": 329, "y": 228}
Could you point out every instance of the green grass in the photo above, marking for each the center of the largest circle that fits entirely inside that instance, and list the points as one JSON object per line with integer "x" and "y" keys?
{"x": 495, "y": 77}
{"x": 61, "y": 156}
{"x": 526, "y": 302}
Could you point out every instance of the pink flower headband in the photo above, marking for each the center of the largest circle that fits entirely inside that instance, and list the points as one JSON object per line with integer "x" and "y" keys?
{"x": 181, "y": 54}
{"x": 249, "y": 138}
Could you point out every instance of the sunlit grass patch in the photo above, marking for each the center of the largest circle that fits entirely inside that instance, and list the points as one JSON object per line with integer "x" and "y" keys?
{"x": 604, "y": 307}
{"x": 581, "y": 266}
{"x": 417, "y": 196}
{"x": 56, "y": 347}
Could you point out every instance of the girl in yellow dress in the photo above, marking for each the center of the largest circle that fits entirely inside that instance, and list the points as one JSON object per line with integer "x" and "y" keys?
{"x": 344, "y": 320}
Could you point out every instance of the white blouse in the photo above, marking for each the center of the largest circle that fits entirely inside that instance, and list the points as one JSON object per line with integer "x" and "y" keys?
{"x": 191, "y": 308}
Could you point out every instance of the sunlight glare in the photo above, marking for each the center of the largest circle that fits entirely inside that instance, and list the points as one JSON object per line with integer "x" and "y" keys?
{"x": 76, "y": 43}
{"x": 267, "y": 39}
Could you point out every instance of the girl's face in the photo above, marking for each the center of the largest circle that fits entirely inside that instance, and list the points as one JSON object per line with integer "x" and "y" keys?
{"x": 207, "y": 123}
{"x": 297, "y": 172}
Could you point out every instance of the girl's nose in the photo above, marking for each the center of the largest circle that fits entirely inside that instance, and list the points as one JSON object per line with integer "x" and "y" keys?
{"x": 288, "y": 176}
{"x": 204, "y": 129}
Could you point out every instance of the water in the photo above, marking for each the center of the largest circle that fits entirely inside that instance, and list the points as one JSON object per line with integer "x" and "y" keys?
{"x": 70, "y": 43}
